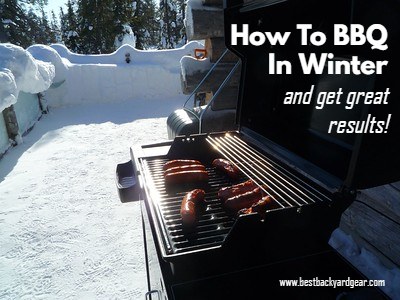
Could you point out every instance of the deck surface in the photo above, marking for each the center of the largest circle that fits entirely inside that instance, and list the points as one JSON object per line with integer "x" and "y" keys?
{"x": 373, "y": 220}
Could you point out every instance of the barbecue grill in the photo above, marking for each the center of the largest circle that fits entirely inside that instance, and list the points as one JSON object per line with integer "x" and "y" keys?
{"x": 311, "y": 176}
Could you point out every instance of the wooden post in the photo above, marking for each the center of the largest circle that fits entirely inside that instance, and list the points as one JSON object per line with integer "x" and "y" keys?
{"x": 211, "y": 84}
{"x": 203, "y": 23}
{"x": 215, "y": 46}
{"x": 10, "y": 119}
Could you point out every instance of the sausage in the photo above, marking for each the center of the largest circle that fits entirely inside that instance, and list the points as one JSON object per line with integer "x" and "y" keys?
{"x": 180, "y": 162}
{"x": 191, "y": 176}
{"x": 237, "y": 189}
{"x": 259, "y": 207}
{"x": 189, "y": 202}
{"x": 238, "y": 202}
{"x": 226, "y": 167}
{"x": 185, "y": 168}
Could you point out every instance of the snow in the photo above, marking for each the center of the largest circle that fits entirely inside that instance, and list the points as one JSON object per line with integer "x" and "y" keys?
{"x": 366, "y": 262}
{"x": 191, "y": 65}
{"x": 8, "y": 22}
{"x": 8, "y": 89}
{"x": 71, "y": 33}
{"x": 167, "y": 58}
{"x": 127, "y": 38}
{"x": 64, "y": 233}
{"x": 150, "y": 74}
{"x": 48, "y": 54}
{"x": 19, "y": 71}
{"x": 198, "y": 5}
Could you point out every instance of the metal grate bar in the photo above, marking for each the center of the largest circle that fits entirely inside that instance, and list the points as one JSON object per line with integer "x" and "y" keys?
{"x": 264, "y": 185}
{"x": 285, "y": 188}
{"x": 213, "y": 224}
{"x": 280, "y": 171}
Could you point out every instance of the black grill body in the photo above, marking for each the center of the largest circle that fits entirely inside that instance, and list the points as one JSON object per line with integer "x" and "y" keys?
{"x": 224, "y": 248}
{"x": 312, "y": 176}
{"x": 296, "y": 197}
{"x": 302, "y": 130}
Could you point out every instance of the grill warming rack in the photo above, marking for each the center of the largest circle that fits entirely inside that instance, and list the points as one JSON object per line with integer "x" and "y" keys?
{"x": 215, "y": 224}
{"x": 285, "y": 188}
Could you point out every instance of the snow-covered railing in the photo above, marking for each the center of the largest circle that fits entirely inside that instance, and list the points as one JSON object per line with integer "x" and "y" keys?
{"x": 65, "y": 78}
{"x": 21, "y": 77}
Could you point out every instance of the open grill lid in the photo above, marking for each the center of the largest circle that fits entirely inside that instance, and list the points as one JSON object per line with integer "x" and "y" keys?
{"x": 298, "y": 134}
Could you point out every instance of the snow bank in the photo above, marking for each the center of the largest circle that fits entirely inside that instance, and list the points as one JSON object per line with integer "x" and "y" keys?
{"x": 191, "y": 65}
{"x": 19, "y": 71}
{"x": 110, "y": 83}
{"x": 8, "y": 89}
{"x": 366, "y": 262}
{"x": 168, "y": 59}
{"x": 70, "y": 78}
{"x": 128, "y": 37}
{"x": 152, "y": 74}
{"x": 48, "y": 54}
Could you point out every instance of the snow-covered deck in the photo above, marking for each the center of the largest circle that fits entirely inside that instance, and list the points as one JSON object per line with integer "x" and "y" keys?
{"x": 64, "y": 233}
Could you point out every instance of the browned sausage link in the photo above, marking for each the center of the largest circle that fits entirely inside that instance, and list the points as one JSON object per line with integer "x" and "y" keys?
{"x": 237, "y": 189}
{"x": 180, "y": 162}
{"x": 185, "y": 168}
{"x": 189, "y": 202}
{"x": 241, "y": 201}
{"x": 186, "y": 177}
{"x": 227, "y": 167}
{"x": 245, "y": 211}
{"x": 260, "y": 207}
{"x": 265, "y": 203}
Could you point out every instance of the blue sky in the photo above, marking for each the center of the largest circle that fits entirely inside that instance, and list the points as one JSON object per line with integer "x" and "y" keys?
{"x": 55, "y": 5}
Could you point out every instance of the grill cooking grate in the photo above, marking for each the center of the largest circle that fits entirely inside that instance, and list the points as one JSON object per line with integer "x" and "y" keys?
{"x": 214, "y": 224}
{"x": 285, "y": 188}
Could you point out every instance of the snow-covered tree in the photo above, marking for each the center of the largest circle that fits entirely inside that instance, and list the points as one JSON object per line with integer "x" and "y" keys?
{"x": 122, "y": 14}
{"x": 144, "y": 23}
{"x": 180, "y": 17}
{"x": 171, "y": 23}
{"x": 69, "y": 26}
{"x": 55, "y": 27}
{"x": 14, "y": 22}
{"x": 101, "y": 22}
{"x": 125, "y": 36}
{"x": 24, "y": 22}
{"x": 40, "y": 30}
{"x": 87, "y": 26}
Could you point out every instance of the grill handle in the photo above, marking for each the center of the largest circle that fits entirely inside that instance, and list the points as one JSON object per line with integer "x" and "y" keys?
{"x": 148, "y": 295}
{"x": 127, "y": 182}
